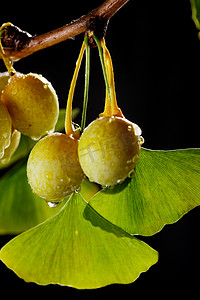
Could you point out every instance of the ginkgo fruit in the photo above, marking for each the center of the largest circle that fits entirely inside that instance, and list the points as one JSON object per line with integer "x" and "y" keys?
{"x": 32, "y": 103}
{"x": 5, "y": 128}
{"x": 109, "y": 150}
{"x": 4, "y": 77}
{"x": 109, "y": 147}
{"x": 10, "y": 150}
{"x": 53, "y": 168}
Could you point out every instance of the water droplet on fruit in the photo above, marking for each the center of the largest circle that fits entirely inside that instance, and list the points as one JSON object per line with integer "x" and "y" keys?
{"x": 53, "y": 204}
{"x": 141, "y": 140}
{"x": 1, "y": 154}
{"x": 119, "y": 181}
{"x": 45, "y": 86}
{"x": 130, "y": 128}
{"x": 137, "y": 129}
{"x": 50, "y": 131}
{"x": 35, "y": 138}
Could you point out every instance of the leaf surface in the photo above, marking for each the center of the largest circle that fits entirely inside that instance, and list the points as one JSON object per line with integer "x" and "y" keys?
{"x": 20, "y": 209}
{"x": 78, "y": 248}
{"x": 166, "y": 185}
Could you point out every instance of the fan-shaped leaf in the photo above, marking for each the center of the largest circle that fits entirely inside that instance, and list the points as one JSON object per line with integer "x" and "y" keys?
{"x": 20, "y": 209}
{"x": 166, "y": 185}
{"x": 78, "y": 248}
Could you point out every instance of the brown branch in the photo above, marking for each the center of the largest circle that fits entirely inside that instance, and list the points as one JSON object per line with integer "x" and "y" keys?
{"x": 36, "y": 43}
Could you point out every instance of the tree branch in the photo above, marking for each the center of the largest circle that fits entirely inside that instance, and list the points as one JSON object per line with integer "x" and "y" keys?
{"x": 36, "y": 43}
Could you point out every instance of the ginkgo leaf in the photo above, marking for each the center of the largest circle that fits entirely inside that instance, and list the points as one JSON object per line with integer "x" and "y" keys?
{"x": 78, "y": 248}
{"x": 195, "y": 5}
{"x": 20, "y": 209}
{"x": 166, "y": 185}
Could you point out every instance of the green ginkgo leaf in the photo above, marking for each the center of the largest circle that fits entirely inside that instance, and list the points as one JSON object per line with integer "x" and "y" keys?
{"x": 20, "y": 209}
{"x": 78, "y": 248}
{"x": 166, "y": 185}
{"x": 195, "y": 5}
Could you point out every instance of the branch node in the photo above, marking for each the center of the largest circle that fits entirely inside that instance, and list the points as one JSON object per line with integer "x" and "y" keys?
{"x": 96, "y": 25}
{"x": 13, "y": 37}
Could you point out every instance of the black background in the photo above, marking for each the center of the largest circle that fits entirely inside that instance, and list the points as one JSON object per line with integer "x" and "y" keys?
{"x": 155, "y": 52}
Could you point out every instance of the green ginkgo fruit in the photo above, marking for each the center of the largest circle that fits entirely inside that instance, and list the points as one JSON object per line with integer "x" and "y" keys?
{"x": 109, "y": 149}
{"x": 5, "y": 128}
{"x": 32, "y": 103}
{"x": 10, "y": 150}
{"x": 53, "y": 168}
{"x": 3, "y": 81}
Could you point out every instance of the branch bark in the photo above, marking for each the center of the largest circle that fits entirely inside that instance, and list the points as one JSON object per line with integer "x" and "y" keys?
{"x": 36, "y": 43}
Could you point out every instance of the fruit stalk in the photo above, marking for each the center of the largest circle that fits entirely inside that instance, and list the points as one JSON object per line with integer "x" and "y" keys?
{"x": 68, "y": 119}
{"x": 87, "y": 75}
{"x": 111, "y": 107}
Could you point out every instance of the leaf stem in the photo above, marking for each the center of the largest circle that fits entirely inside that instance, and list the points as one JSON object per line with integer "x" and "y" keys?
{"x": 87, "y": 75}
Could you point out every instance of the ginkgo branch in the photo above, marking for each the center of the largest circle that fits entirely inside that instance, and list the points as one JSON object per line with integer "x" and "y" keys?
{"x": 104, "y": 12}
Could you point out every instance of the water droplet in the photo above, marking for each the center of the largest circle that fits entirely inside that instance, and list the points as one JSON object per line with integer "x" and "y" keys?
{"x": 141, "y": 140}
{"x": 131, "y": 174}
{"x": 137, "y": 129}
{"x": 53, "y": 204}
{"x": 50, "y": 131}
{"x": 110, "y": 119}
{"x": 35, "y": 138}
{"x": 2, "y": 153}
{"x": 45, "y": 86}
{"x": 119, "y": 181}
{"x": 130, "y": 128}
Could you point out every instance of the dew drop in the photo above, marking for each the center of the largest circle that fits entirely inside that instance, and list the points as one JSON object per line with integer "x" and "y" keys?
{"x": 50, "y": 131}
{"x": 141, "y": 140}
{"x": 45, "y": 86}
{"x": 53, "y": 204}
{"x": 35, "y": 138}
{"x": 137, "y": 129}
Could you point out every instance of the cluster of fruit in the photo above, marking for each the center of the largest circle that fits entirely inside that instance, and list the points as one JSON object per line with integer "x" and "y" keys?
{"x": 28, "y": 105}
{"x": 106, "y": 151}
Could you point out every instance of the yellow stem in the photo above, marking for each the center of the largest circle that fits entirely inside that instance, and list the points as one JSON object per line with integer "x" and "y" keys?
{"x": 7, "y": 61}
{"x": 111, "y": 108}
{"x": 68, "y": 118}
